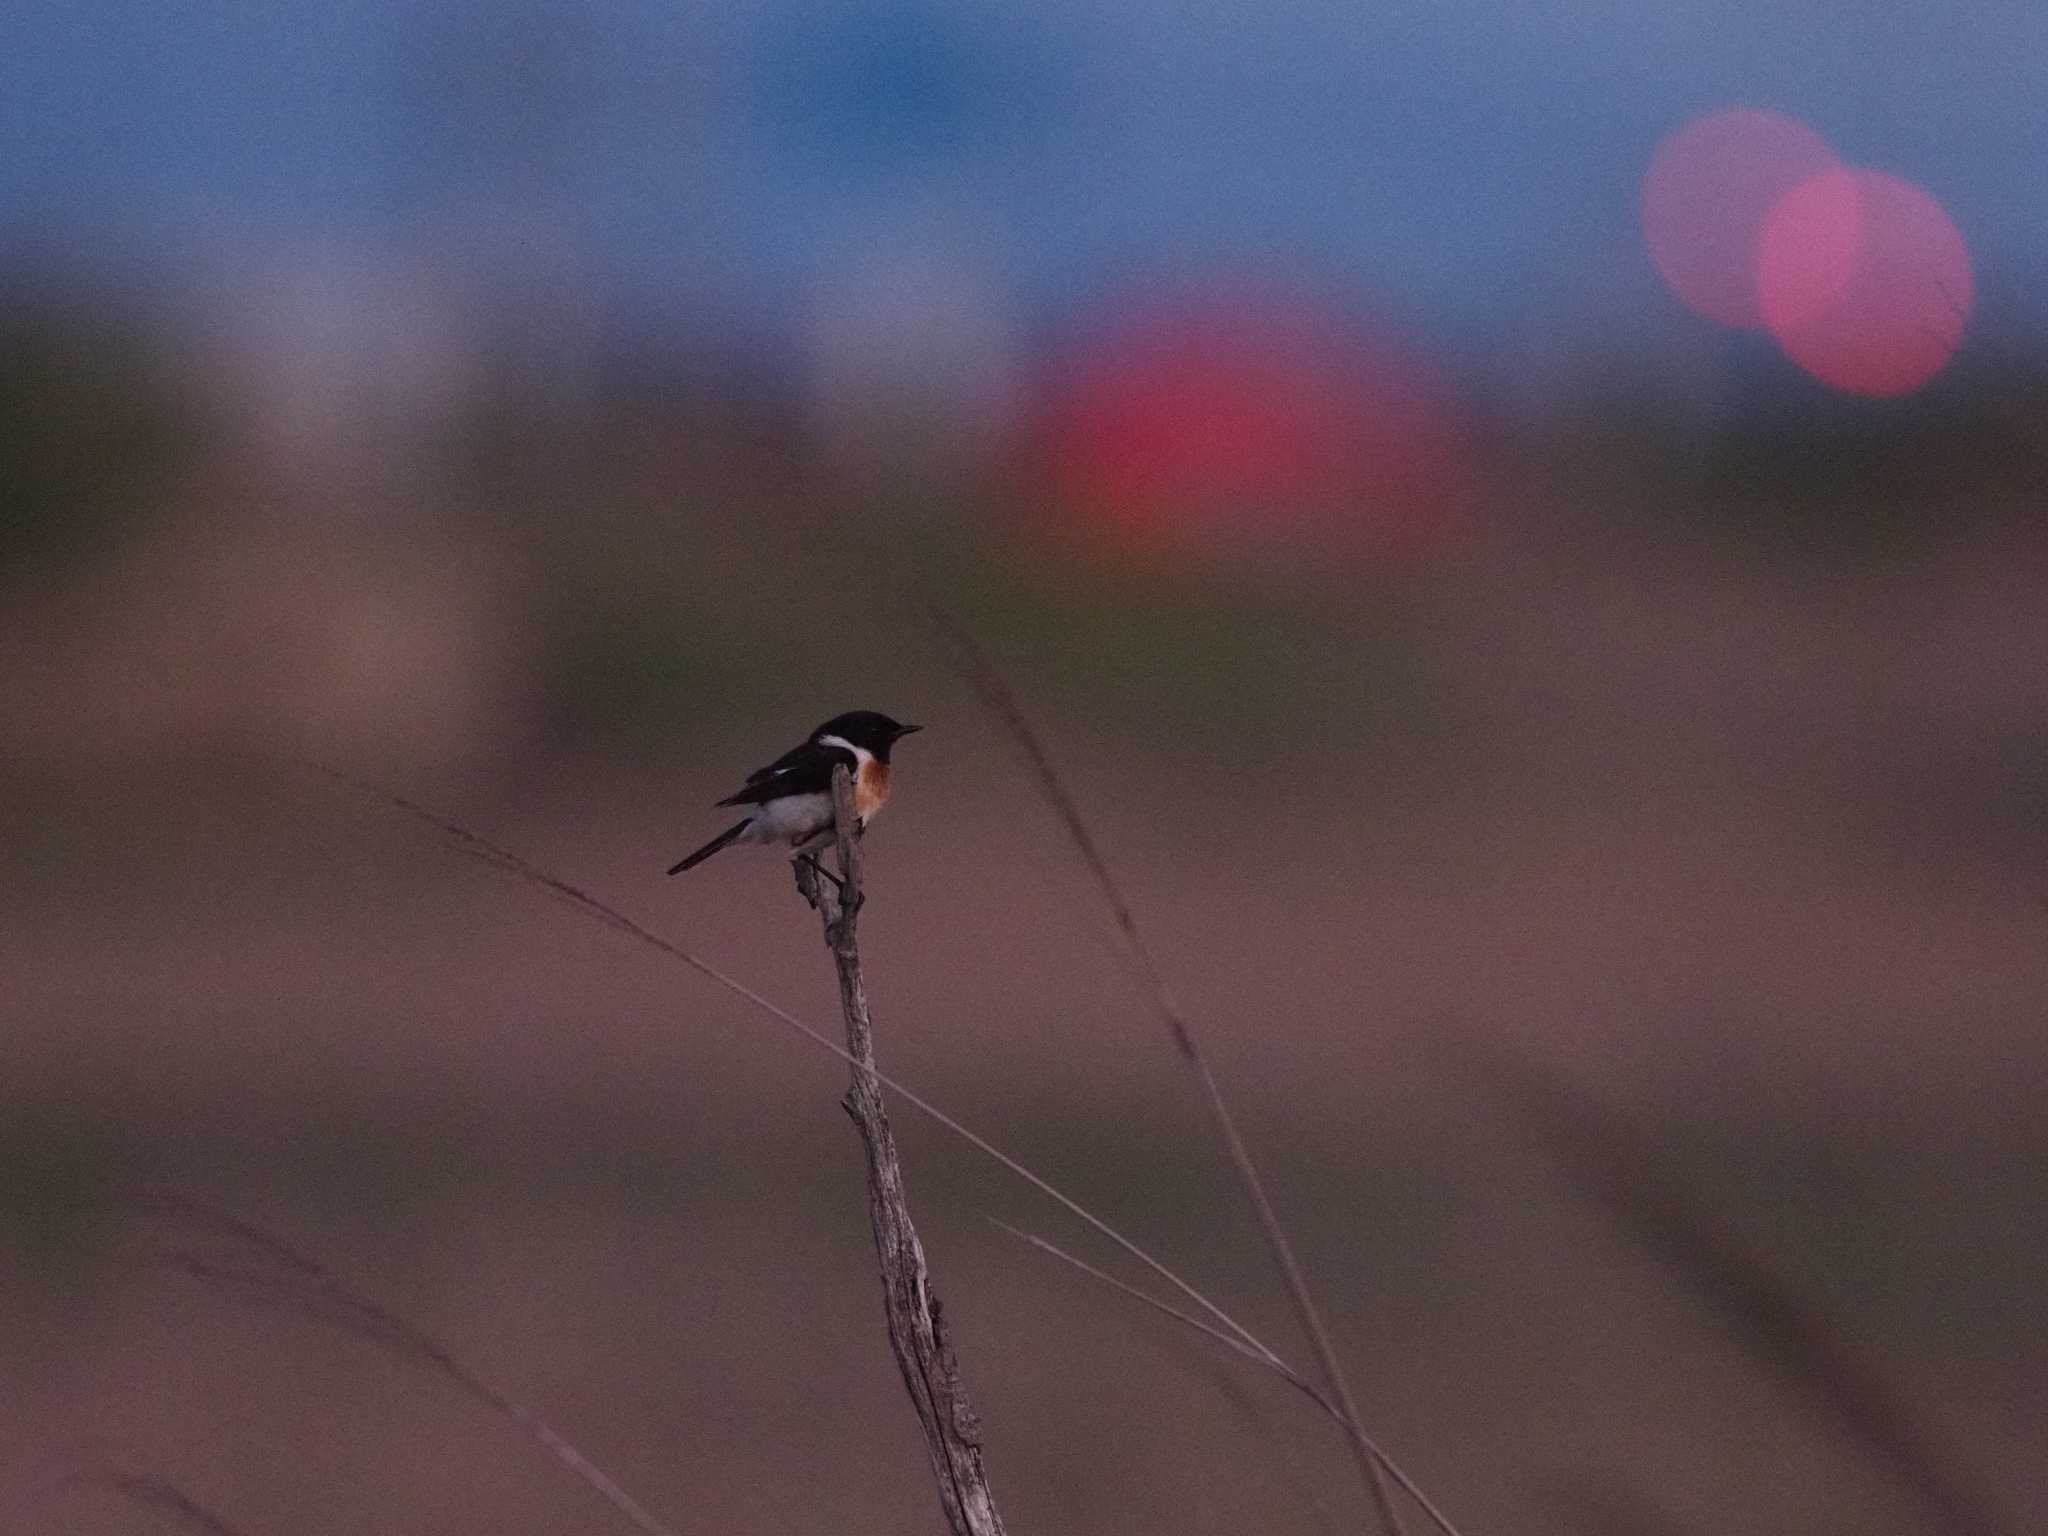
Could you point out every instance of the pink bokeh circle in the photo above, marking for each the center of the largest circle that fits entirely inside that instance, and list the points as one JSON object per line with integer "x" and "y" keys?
{"x": 1710, "y": 188}
{"x": 1865, "y": 281}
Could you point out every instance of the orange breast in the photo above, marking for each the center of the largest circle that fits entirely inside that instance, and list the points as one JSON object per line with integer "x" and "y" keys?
{"x": 870, "y": 789}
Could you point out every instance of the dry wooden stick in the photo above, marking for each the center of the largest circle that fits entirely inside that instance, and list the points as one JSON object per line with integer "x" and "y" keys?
{"x": 917, "y": 1326}
{"x": 496, "y": 856}
{"x": 988, "y": 685}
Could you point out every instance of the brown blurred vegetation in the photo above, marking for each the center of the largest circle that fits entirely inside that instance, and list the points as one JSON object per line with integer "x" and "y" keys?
{"x": 1704, "y": 762}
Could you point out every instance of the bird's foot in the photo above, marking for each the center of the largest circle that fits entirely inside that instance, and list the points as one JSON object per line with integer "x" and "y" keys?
{"x": 808, "y": 870}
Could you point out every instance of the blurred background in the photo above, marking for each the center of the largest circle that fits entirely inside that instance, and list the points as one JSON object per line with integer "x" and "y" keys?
{"x": 1520, "y": 523}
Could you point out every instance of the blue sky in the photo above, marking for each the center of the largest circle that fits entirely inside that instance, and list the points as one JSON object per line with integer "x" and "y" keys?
{"x": 1464, "y": 160}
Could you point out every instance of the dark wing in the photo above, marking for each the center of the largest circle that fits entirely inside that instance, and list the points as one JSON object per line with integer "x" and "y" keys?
{"x": 804, "y": 771}
{"x": 789, "y": 759}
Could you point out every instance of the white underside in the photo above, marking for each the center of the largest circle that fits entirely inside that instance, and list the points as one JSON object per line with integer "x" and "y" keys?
{"x": 792, "y": 819}
{"x": 800, "y": 819}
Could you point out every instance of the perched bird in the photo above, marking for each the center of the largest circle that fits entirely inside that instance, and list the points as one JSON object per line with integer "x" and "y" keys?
{"x": 790, "y": 801}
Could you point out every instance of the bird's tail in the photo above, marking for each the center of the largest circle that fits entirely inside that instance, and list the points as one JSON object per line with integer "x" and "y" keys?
{"x": 712, "y": 847}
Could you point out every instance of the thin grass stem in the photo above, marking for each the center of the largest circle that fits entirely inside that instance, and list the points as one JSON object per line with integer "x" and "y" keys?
{"x": 988, "y": 685}
{"x": 1285, "y": 1372}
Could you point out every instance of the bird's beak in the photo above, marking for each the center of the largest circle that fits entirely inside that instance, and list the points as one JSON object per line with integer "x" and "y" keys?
{"x": 909, "y": 730}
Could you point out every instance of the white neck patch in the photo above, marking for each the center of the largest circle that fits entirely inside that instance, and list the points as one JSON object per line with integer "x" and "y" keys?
{"x": 861, "y": 755}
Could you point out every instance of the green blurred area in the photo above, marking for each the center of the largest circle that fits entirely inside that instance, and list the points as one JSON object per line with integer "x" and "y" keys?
{"x": 96, "y": 426}
{"x": 678, "y": 555}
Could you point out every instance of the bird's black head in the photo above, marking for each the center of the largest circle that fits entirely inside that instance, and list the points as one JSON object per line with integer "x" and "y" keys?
{"x": 866, "y": 729}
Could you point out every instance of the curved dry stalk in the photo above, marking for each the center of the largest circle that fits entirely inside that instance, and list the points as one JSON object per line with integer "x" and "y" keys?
{"x": 1618, "y": 1169}
{"x": 153, "y": 1491}
{"x": 1279, "y": 1368}
{"x": 294, "y": 1277}
{"x": 475, "y": 846}
{"x": 987, "y": 684}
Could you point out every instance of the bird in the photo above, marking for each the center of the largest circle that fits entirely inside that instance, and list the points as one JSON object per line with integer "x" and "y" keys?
{"x": 790, "y": 800}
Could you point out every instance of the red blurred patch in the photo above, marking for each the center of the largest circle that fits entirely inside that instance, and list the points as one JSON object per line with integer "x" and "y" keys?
{"x": 1707, "y": 195}
{"x": 1865, "y": 281}
{"x": 1236, "y": 414}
